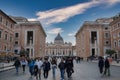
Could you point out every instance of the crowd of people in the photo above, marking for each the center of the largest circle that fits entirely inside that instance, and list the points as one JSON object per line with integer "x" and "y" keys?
{"x": 37, "y": 65}
{"x": 65, "y": 65}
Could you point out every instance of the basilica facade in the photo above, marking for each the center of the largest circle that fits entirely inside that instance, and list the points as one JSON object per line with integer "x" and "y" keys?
{"x": 59, "y": 47}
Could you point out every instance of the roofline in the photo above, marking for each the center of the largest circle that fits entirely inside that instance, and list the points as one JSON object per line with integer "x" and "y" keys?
{"x": 29, "y": 23}
{"x": 42, "y": 29}
{"x": 79, "y": 29}
{"x": 85, "y": 23}
{"x": 7, "y": 16}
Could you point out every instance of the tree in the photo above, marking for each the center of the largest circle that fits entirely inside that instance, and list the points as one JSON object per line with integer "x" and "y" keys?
{"x": 110, "y": 52}
{"x": 24, "y": 53}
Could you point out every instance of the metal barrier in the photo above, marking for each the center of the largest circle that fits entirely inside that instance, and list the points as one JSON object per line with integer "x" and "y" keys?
{"x": 4, "y": 67}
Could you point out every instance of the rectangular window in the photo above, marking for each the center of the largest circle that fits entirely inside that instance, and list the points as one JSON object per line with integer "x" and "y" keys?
{"x": 5, "y": 48}
{"x": 119, "y": 43}
{"x": 119, "y": 34}
{"x": 10, "y": 39}
{"x": 0, "y": 34}
{"x": 5, "y": 36}
{"x": 106, "y": 28}
{"x": 107, "y": 42}
{"x": 114, "y": 35}
{"x": 0, "y": 18}
{"x": 115, "y": 43}
{"x": 16, "y": 42}
{"x": 16, "y": 35}
{"x": 29, "y": 37}
{"x": 16, "y": 51}
{"x": 93, "y": 36}
{"x": 118, "y": 24}
{"x": 93, "y": 52}
{"x": 6, "y": 23}
{"x": 11, "y": 26}
{"x": 0, "y": 47}
{"x": 106, "y": 35}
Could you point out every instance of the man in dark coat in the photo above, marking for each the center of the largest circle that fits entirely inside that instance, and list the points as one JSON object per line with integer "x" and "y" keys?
{"x": 101, "y": 64}
{"x": 69, "y": 67}
{"x": 17, "y": 64}
{"x": 46, "y": 68}
{"x": 107, "y": 67}
{"x": 62, "y": 68}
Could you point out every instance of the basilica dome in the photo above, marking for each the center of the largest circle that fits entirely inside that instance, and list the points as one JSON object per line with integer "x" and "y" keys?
{"x": 58, "y": 39}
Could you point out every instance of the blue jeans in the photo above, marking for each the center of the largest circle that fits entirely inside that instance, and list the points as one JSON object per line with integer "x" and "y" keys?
{"x": 62, "y": 71}
{"x": 16, "y": 69}
{"x": 107, "y": 71}
{"x": 53, "y": 70}
{"x": 31, "y": 70}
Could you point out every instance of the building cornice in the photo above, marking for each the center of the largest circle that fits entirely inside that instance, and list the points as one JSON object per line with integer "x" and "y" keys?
{"x": 7, "y": 16}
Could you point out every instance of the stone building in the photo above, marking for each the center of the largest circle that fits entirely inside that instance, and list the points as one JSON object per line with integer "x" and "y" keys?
{"x": 115, "y": 35}
{"x": 59, "y": 47}
{"x": 29, "y": 36}
{"x": 6, "y": 34}
{"x": 93, "y": 38}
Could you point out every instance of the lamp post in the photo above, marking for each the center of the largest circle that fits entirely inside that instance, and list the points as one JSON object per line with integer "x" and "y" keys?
{"x": 95, "y": 46}
{"x": 30, "y": 48}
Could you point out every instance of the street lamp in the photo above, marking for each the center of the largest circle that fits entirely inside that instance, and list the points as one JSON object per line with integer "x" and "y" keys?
{"x": 31, "y": 47}
{"x": 95, "y": 39}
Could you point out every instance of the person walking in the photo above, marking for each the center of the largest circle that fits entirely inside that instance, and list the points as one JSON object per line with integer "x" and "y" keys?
{"x": 62, "y": 68}
{"x": 40, "y": 63}
{"x": 17, "y": 65}
{"x": 69, "y": 67}
{"x": 31, "y": 66}
{"x": 23, "y": 63}
{"x": 107, "y": 67}
{"x": 54, "y": 66}
{"x": 46, "y": 68}
{"x": 36, "y": 71}
{"x": 101, "y": 64}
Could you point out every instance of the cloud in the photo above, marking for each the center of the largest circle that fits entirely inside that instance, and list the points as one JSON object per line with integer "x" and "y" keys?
{"x": 71, "y": 34}
{"x": 63, "y": 14}
{"x": 55, "y": 31}
{"x": 32, "y": 19}
{"x": 109, "y": 2}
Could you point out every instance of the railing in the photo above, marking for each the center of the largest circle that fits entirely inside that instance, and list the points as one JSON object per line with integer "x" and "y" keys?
{"x": 5, "y": 66}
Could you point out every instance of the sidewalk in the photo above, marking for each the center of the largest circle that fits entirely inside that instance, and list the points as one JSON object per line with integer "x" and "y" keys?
{"x": 6, "y": 66}
{"x": 114, "y": 63}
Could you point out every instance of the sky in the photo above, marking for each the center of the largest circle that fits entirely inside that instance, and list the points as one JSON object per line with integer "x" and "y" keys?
{"x": 61, "y": 16}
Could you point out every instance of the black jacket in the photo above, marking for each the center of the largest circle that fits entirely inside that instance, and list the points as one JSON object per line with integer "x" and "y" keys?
{"x": 69, "y": 64}
{"x": 46, "y": 66}
{"x": 61, "y": 65}
{"x": 101, "y": 63}
{"x": 17, "y": 63}
{"x": 107, "y": 64}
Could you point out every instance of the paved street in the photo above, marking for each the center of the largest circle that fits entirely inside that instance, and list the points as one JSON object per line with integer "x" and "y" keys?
{"x": 83, "y": 71}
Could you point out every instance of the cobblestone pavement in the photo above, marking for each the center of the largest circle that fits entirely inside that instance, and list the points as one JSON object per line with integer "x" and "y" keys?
{"x": 83, "y": 71}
